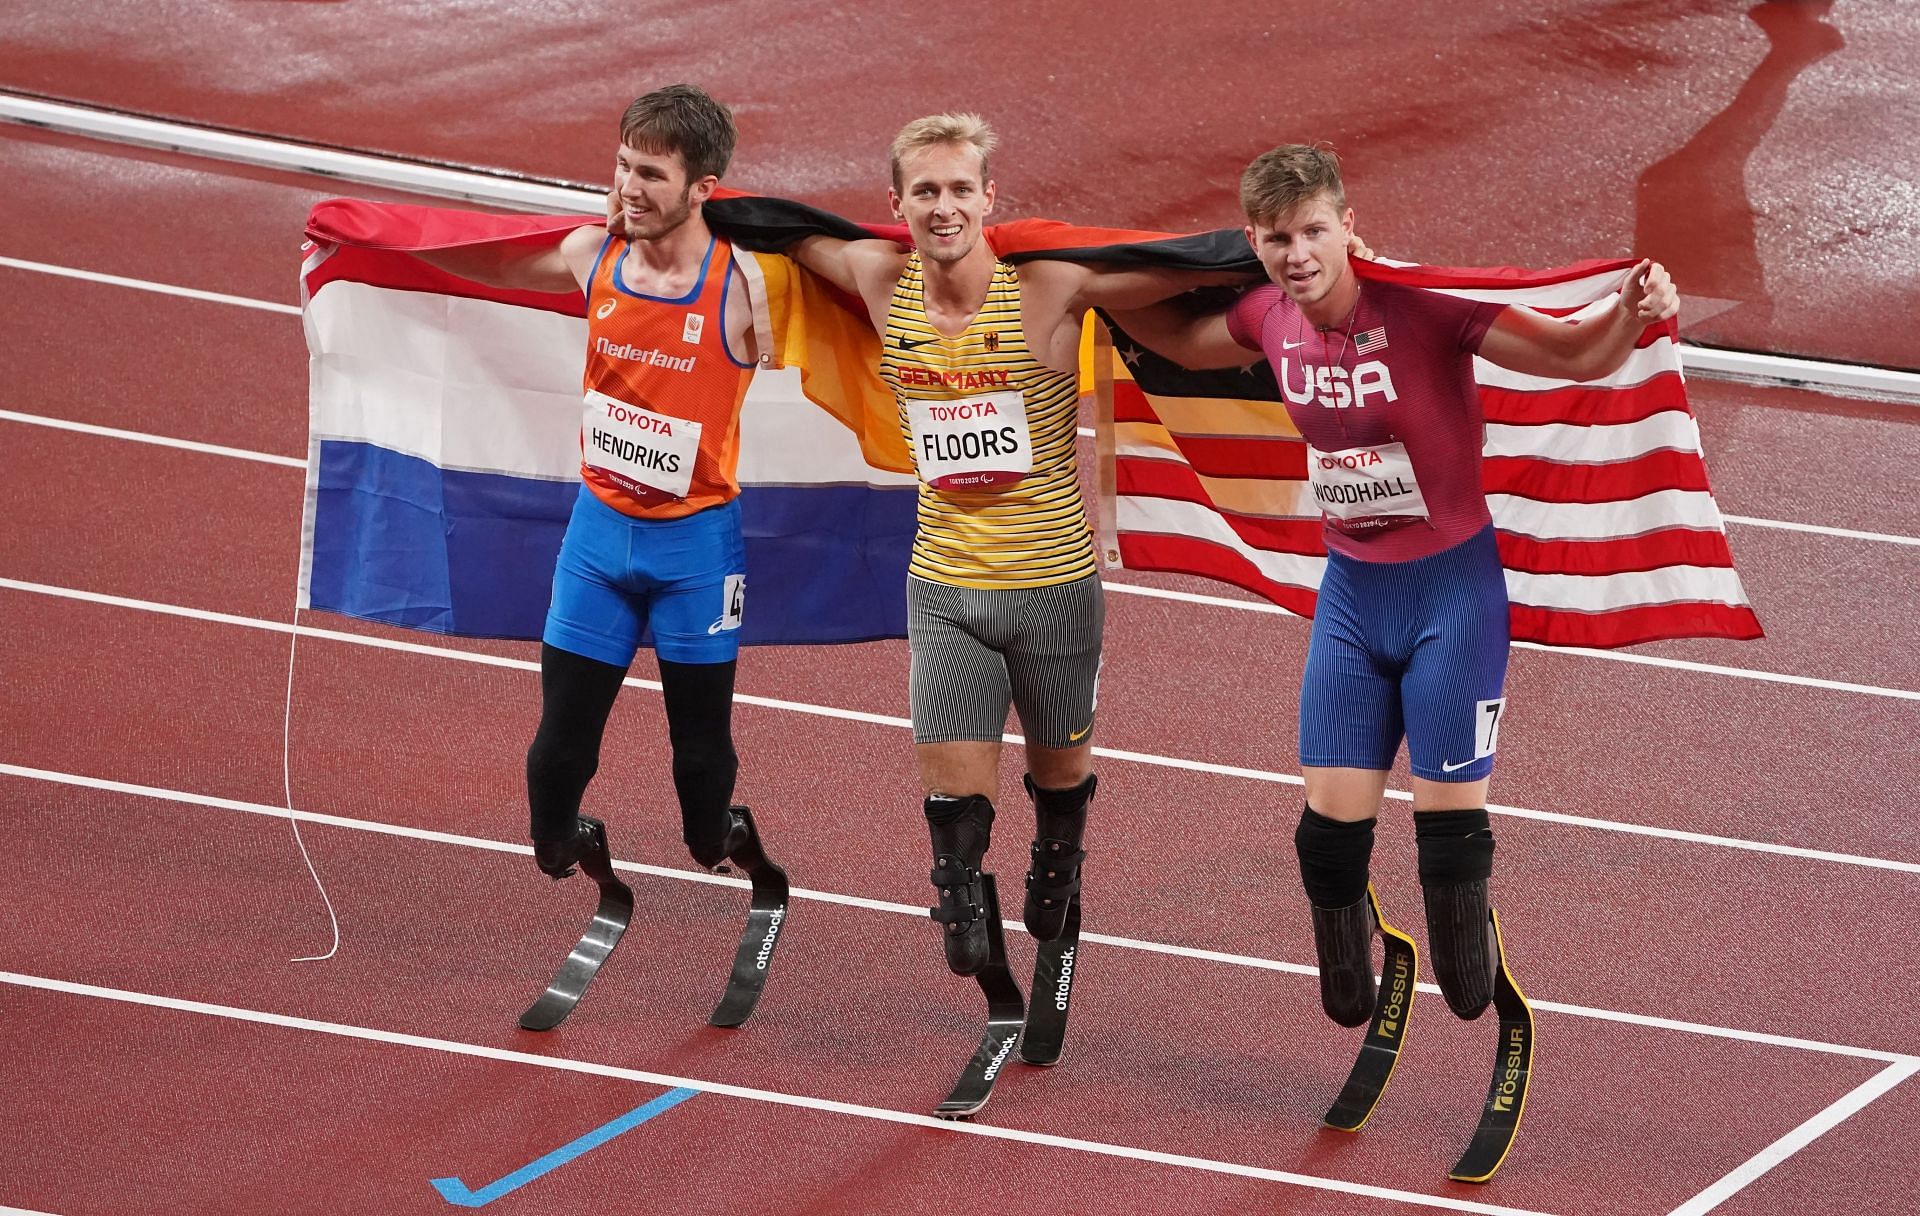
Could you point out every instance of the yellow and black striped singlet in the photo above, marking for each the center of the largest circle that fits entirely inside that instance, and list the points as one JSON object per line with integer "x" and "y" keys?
{"x": 1029, "y": 534}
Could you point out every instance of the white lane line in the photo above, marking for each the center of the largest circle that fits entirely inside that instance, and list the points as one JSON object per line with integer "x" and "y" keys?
{"x": 1797, "y": 1139}
{"x": 900, "y": 723}
{"x": 1821, "y": 530}
{"x": 94, "y": 276}
{"x": 746, "y": 1093}
{"x": 511, "y": 190}
{"x": 185, "y": 445}
{"x": 1199, "y": 954}
{"x": 1216, "y": 601}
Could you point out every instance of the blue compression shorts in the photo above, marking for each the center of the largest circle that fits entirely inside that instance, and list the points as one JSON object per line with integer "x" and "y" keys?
{"x": 1415, "y": 648}
{"x": 683, "y": 578}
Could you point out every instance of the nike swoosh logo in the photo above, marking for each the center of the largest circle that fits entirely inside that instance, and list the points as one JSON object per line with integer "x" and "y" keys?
{"x": 1078, "y": 735}
{"x": 1448, "y": 768}
{"x": 1286, "y": 345}
{"x": 913, "y": 343}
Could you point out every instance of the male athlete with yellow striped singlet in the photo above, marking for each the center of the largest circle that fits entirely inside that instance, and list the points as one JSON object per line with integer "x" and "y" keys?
{"x": 1003, "y": 599}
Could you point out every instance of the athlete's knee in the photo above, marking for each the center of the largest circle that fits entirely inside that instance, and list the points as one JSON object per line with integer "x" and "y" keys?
{"x": 559, "y": 765}
{"x": 1335, "y": 857}
{"x": 1456, "y": 862}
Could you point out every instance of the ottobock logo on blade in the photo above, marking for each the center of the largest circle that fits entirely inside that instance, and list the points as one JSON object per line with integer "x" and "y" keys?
{"x": 999, "y": 1058}
{"x": 1064, "y": 988}
{"x": 766, "y": 945}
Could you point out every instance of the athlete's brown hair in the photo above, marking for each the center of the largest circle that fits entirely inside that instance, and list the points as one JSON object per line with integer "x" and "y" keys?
{"x": 1278, "y": 181}
{"x": 681, "y": 119}
{"x": 935, "y": 129}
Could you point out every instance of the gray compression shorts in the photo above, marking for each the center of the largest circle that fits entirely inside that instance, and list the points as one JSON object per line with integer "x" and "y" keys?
{"x": 977, "y": 651}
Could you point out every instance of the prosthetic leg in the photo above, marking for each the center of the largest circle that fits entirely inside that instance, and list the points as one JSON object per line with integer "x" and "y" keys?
{"x": 588, "y": 849}
{"x": 1052, "y": 914}
{"x": 1469, "y": 962}
{"x": 766, "y": 916}
{"x": 968, "y": 910}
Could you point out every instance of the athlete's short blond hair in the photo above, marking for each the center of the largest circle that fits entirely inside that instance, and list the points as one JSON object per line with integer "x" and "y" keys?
{"x": 1279, "y": 181}
{"x": 936, "y": 129}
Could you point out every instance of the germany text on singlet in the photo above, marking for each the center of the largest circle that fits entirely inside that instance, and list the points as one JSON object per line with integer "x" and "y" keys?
{"x": 992, "y": 432}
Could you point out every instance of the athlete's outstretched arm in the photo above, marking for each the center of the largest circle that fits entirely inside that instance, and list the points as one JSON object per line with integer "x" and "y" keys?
{"x": 1195, "y": 339}
{"x": 1535, "y": 345}
{"x": 562, "y": 267}
{"x": 867, "y": 269}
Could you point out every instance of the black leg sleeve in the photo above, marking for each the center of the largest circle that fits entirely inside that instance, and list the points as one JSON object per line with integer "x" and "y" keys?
{"x": 700, "y": 724}
{"x": 576, "y": 695}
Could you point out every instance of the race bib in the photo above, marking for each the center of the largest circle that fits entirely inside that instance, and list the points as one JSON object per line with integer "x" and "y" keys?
{"x": 971, "y": 443}
{"x": 637, "y": 448}
{"x": 1367, "y": 489}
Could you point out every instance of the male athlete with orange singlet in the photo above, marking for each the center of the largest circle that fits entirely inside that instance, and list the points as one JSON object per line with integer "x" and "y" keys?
{"x": 654, "y": 539}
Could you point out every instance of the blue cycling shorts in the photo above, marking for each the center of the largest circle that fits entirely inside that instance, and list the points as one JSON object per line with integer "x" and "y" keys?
{"x": 683, "y": 579}
{"x": 1414, "y": 649}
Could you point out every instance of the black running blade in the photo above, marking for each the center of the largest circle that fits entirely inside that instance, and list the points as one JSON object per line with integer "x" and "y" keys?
{"x": 1512, "y": 1065}
{"x": 765, "y": 918}
{"x": 1380, "y": 1050}
{"x": 610, "y": 920}
{"x": 1005, "y": 1014}
{"x": 1052, "y": 992}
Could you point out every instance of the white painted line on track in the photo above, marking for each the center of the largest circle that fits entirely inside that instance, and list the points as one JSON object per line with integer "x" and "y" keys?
{"x": 915, "y": 911}
{"x": 1215, "y": 601}
{"x": 517, "y": 190}
{"x": 167, "y": 289}
{"x": 1797, "y": 1139}
{"x": 1822, "y": 530}
{"x": 774, "y": 1097}
{"x": 900, "y": 723}
{"x": 185, "y": 445}
{"x": 510, "y": 190}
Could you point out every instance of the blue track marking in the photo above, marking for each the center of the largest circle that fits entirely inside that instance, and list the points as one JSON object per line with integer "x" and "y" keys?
{"x": 455, "y": 1191}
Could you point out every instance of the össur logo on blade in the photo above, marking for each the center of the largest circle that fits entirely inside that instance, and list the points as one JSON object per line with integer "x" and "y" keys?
{"x": 971, "y": 443}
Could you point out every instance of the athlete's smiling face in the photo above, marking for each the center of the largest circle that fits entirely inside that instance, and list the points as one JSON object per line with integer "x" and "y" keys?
{"x": 655, "y": 195}
{"x": 944, "y": 198}
{"x": 1305, "y": 250}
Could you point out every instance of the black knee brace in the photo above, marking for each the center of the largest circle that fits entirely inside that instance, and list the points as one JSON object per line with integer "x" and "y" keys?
{"x": 1456, "y": 860}
{"x": 1334, "y": 858}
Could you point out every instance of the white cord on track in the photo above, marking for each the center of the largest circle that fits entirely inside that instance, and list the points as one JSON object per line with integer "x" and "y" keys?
{"x": 286, "y": 781}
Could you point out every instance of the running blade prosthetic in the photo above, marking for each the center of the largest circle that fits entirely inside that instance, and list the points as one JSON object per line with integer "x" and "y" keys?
{"x": 765, "y": 918}
{"x": 1053, "y": 966}
{"x": 1006, "y": 1012}
{"x": 610, "y": 921}
{"x": 1512, "y": 1067}
{"x": 1380, "y": 1050}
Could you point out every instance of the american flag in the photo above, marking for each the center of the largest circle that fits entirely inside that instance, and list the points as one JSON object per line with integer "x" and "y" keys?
{"x": 1368, "y": 341}
{"x": 1607, "y": 525}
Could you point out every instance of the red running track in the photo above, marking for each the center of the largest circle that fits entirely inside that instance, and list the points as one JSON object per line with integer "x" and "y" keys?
{"x": 147, "y": 1110}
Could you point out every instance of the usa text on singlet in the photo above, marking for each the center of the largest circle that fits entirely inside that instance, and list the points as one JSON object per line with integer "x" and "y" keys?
{"x": 660, "y": 432}
{"x": 992, "y": 431}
